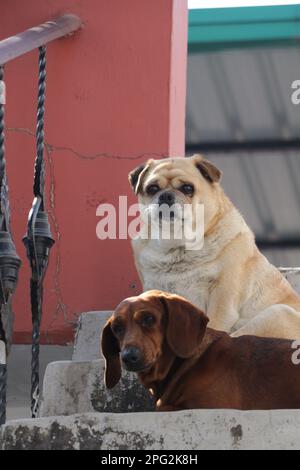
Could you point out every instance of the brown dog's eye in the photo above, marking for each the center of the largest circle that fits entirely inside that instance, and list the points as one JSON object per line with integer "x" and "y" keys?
{"x": 152, "y": 189}
{"x": 148, "y": 320}
{"x": 187, "y": 189}
{"x": 118, "y": 329}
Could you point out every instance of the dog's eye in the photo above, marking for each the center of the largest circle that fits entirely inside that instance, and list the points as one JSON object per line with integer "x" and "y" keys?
{"x": 187, "y": 189}
{"x": 152, "y": 189}
{"x": 118, "y": 329}
{"x": 148, "y": 320}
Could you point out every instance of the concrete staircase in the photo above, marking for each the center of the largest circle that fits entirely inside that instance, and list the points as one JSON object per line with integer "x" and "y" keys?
{"x": 77, "y": 412}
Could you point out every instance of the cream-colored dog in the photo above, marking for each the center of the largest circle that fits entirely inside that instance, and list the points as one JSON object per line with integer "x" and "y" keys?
{"x": 228, "y": 278}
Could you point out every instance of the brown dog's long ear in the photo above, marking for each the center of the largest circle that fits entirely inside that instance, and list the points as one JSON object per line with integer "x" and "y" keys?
{"x": 137, "y": 175}
{"x": 209, "y": 171}
{"x": 111, "y": 352}
{"x": 186, "y": 325}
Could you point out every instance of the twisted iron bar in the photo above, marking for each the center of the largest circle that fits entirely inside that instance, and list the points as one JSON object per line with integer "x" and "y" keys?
{"x": 3, "y": 381}
{"x": 4, "y": 204}
{"x": 39, "y": 176}
{"x": 3, "y": 186}
{"x": 3, "y": 191}
{"x": 3, "y": 377}
{"x": 36, "y": 281}
{"x": 9, "y": 266}
{"x": 36, "y": 302}
{"x": 38, "y": 240}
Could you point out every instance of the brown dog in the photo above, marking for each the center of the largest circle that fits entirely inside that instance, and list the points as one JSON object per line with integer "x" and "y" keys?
{"x": 164, "y": 338}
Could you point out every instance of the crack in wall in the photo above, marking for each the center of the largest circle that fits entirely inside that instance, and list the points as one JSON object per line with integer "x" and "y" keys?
{"x": 61, "y": 307}
{"x": 95, "y": 156}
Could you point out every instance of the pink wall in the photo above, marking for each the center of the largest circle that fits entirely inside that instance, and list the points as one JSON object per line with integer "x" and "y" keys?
{"x": 115, "y": 96}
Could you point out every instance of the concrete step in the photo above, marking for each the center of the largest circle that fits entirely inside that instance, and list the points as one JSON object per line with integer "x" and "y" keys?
{"x": 183, "y": 430}
{"x": 77, "y": 387}
{"x": 87, "y": 339}
{"x": 74, "y": 390}
{"x": 293, "y": 276}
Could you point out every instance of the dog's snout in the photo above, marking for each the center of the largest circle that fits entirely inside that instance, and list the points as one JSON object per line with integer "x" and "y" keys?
{"x": 131, "y": 356}
{"x": 166, "y": 198}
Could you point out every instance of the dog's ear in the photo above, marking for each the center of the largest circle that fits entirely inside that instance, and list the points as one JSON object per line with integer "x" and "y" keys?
{"x": 137, "y": 175}
{"x": 209, "y": 171}
{"x": 111, "y": 352}
{"x": 186, "y": 325}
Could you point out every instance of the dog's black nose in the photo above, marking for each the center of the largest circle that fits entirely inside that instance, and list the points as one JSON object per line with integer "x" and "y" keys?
{"x": 166, "y": 198}
{"x": 131, "y": 356}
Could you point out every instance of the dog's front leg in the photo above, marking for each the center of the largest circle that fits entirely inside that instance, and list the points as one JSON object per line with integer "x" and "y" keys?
{"x": 222, "y": 311}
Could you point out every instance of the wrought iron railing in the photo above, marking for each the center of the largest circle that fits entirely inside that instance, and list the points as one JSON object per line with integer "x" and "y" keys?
{"x": 38, "y": 239}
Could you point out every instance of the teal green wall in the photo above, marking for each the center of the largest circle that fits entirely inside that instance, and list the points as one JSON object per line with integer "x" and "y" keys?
{"x": 219, "y": 28}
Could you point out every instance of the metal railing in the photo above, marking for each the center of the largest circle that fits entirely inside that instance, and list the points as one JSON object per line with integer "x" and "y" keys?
{"x": 33, "y": 38}
{"x": 38, "y": 239}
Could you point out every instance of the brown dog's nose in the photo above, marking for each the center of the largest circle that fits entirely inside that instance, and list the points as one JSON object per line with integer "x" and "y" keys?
{"x": 166, "y": 198}
{"x": 131, "y": 357}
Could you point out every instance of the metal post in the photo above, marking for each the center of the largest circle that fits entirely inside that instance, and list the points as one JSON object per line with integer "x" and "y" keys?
{"x": 3, "y": 380}
{"x": 38, "y": 239}
{"x": 3, "y": 372}
{"x": 9, "y": 265}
